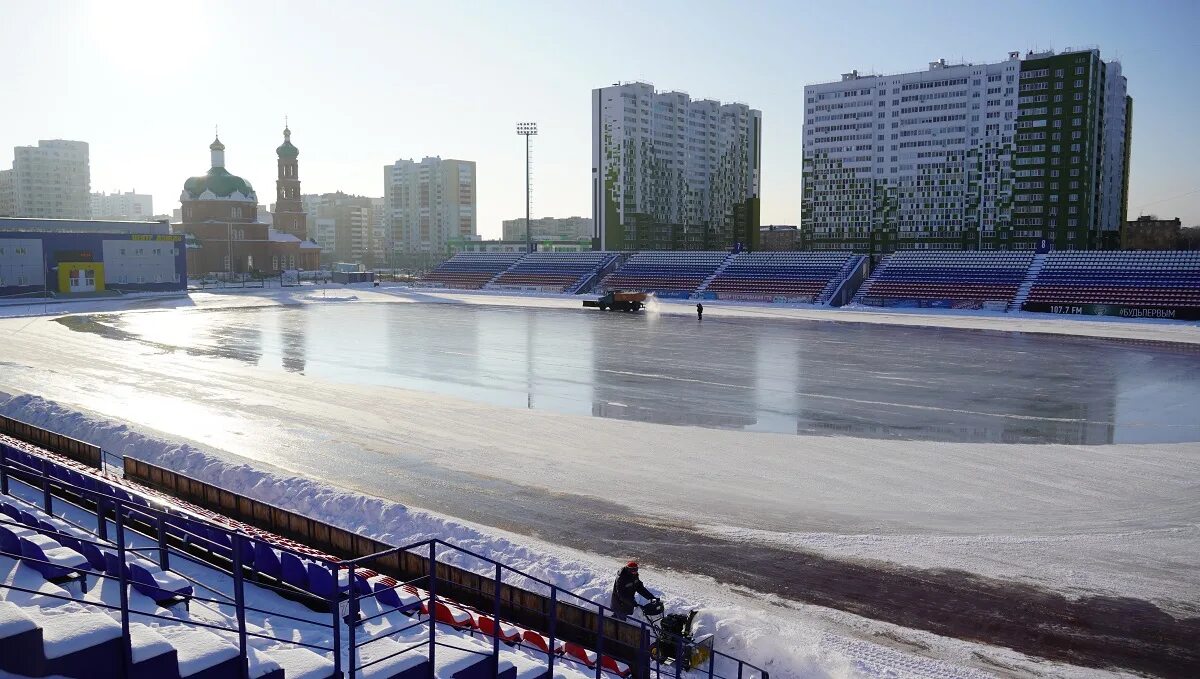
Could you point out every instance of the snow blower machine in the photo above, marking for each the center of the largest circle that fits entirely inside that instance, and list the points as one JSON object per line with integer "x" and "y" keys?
{"x": 618, "y": 300}
{"x": 673, "y": 641}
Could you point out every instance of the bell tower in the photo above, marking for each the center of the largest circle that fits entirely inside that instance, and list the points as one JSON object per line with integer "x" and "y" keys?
{"x": 289, "y": 209}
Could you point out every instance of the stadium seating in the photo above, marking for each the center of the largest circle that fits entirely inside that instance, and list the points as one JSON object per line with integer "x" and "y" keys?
{"x": 203, "y": 644}
{"x": 471, "y": 270}
{"x": 1149, "y": 279}
{"x": 552, "y": 271}
{"x": 664, "y": 272}
{"x": 924, "y": 276}
{"x": 798, "y": 276}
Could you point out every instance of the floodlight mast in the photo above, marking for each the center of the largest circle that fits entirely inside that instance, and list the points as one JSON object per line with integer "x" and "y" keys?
{"x": 527, "y": 130}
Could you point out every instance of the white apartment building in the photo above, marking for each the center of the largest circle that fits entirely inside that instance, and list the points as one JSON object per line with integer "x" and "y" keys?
{"x": 670, "y": 172}
{"x": 118, "y": 205}
{"x": 968, "y": 156}
{"x": 7, "y": 199}
{"x": 52, "y": 180}
{"x": 430, "y": 203}
{"x": 381, "y": 243}
{"x": 549, "y": 228}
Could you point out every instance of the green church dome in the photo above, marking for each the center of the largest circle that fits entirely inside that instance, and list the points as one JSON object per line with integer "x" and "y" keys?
{"x": 221, "y": 183}
{"x": 287, "y": 149}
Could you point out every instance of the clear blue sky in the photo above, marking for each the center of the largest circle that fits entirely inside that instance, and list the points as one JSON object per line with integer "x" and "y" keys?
{"x": 365, "y": 83}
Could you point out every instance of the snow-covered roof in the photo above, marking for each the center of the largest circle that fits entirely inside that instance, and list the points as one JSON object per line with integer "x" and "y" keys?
{"x": 309, "y": 245}
{"x": 281, "y": 237}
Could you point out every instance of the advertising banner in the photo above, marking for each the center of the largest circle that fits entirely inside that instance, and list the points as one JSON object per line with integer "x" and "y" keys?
{"x": 935, "y": 303}
{"x": 1120, "y": 310}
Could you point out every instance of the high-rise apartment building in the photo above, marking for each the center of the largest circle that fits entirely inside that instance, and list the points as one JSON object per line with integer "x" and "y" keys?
{"x": 669, "y": 172}
{"x": 430, "y": 203}
{"x": 550, "y": 228}
{"x": 52, "y": 180}
{"x": 380, "y": 244}
{"x": 969, "y": 156}
{"x": 7, "y": 199}
{"x": 118, "y": 205}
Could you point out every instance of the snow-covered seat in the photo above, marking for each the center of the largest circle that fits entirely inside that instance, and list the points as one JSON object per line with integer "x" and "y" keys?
{"x": 164, "y": 587}
{"x": 55, "y": 562}
{"x": 509, "y": 633}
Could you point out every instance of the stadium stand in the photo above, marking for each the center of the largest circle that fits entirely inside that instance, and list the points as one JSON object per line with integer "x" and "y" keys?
{"x": 101, "y": 577}
{"x": 955, "y": 278}
{"x": 1147, "y": 279}
{"x": 765, "y": 276}
{"x": 471, "y": 270}
{"x": 552, "y": 271}
{"x": 664, "y": 272}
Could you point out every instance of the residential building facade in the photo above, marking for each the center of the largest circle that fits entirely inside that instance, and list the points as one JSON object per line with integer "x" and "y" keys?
{"x": 430, "y": 203}
{"x": 550, "y": 229}
{"x": 669, "y": 172}
{"x": 118, "y": 205}
{"x": 52, "y": 180}
{"x": 969, "y": 156}
{"x": 342, "y": 225}
{"x": 7, "y": 199}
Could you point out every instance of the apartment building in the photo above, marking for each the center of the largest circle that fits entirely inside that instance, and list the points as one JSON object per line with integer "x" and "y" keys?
{"x": 122, "y": 205}
{"x": 969, "y": 156}
{"x": 430, "y": 203}
{"x": 52, "y": 180}
{"x": 670, "y": 172}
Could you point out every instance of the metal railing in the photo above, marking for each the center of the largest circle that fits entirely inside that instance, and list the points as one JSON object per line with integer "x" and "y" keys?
{"x": 166, "y": 538}
{"x": 651, "y": 643}
{"x": 565, "y": 626}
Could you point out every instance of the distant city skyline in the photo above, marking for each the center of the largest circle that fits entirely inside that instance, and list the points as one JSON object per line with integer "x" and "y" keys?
{"x": 245, "y": 66}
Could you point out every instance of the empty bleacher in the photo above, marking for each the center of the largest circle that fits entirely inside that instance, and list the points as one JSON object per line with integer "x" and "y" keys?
{"x": 1163, "y": 279}
{"x": 664, "y": 272}
{"x": 471, "y": 270}
{"x": 101, "y": 577}
{"x": 960, "y": 278}
{"x": 764, "y": 276}
{"x": 552, "y": 271}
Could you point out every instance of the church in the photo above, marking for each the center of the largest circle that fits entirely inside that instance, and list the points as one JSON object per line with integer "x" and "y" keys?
{"x": 220, "y": 220}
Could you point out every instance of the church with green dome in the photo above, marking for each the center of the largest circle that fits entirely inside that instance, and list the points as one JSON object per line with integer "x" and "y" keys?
{"x": 221, "y": 214}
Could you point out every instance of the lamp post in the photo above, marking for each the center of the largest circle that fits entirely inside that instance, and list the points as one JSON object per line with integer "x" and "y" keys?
{"x": 527, "y": 130}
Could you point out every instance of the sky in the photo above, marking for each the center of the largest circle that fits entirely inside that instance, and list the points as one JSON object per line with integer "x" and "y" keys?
{"x": 364, "y": 83}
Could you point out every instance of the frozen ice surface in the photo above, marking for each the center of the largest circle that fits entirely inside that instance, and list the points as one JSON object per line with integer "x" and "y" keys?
{"x": 487, "y": 410}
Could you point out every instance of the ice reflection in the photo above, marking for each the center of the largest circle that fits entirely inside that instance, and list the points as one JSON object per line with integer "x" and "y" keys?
{"x": 874, "y": 381}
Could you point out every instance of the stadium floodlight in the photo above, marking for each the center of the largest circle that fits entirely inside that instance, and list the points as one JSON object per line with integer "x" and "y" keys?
{"x": 527, "y": 130}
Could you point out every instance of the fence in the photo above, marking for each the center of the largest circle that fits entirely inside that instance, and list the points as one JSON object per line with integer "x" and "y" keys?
{"x": 66, "y": 446}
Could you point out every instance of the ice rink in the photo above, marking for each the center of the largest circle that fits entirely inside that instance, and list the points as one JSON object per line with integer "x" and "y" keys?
{"x": 782, "y": 455}
{"x": 749, "y": 374}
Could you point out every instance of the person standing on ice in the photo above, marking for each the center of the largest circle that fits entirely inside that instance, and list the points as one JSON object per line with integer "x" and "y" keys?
{"x": 627, "y": 586}
{"x": 699, "y": 311}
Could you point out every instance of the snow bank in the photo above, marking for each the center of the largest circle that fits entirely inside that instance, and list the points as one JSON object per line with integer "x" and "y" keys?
{"x": 788, "y": 639}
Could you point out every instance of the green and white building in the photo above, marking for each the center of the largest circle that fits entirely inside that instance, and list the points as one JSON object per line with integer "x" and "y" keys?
{"x": 969, "y": 156}
{"x": 672, "y": 173}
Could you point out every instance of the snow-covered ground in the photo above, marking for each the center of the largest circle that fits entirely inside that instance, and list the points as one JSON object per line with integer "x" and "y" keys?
{"x": 1115, "y": 519}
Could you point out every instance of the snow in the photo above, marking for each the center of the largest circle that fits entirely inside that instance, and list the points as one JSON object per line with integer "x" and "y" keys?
{"x": 1081, "y": 518}
{"x": 13, "y": 620}
{"x": 67, "y": 626}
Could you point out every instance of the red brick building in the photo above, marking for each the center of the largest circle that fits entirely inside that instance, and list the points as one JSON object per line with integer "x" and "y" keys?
{"x": 220, "y": 214}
